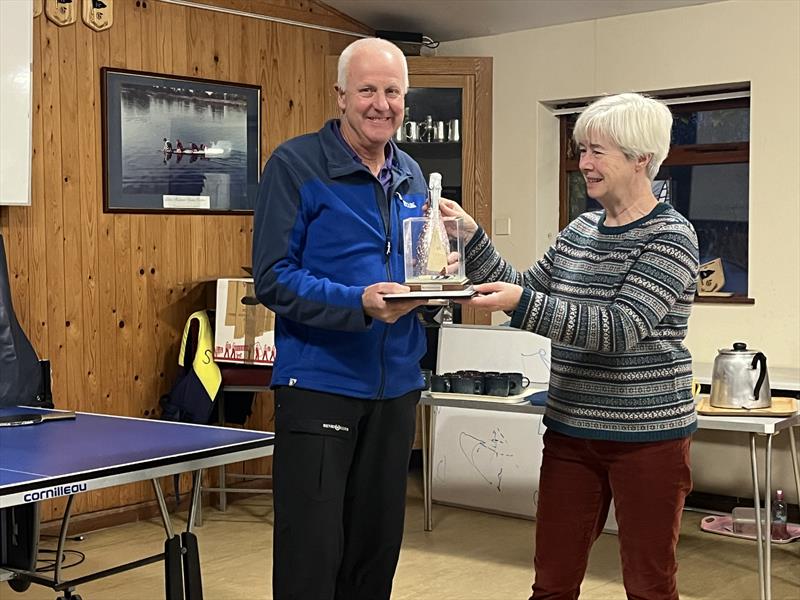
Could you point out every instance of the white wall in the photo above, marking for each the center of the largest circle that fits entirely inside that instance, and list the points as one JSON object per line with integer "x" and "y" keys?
{"x": 725, "y": 42}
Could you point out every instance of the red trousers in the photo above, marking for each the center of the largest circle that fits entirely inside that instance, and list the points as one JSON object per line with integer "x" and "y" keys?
{"x": 648, "y": 481}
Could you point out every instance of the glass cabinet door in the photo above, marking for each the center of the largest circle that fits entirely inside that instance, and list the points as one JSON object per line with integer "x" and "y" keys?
{"x": 431, "y": 134}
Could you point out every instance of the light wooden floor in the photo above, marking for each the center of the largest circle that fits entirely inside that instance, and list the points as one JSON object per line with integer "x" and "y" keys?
{"x": 469, "y": 555}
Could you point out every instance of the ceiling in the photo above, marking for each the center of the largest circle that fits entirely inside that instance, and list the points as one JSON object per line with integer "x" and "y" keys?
{"x": 445, "y": 20}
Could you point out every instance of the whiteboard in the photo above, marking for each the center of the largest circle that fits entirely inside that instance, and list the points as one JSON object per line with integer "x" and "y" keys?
{"x": 16, "y": 57}
{"x": 489, "y": 459}
{"x": 486, "y": 459}
{"x": 481, "y": 458}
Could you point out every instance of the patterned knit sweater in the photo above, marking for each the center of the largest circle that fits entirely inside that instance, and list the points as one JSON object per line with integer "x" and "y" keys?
{"x": 615, "y": 302}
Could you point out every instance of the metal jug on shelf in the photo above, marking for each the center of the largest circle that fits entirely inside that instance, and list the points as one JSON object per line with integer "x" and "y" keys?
{"x": 426, "y": 129}
{"x": 740, "y": 379}
{"x": 400, "y": 135}
{"x": 453, "y": 131}
{"x": 411, "y": 131}
{"x": 438, "y": 131}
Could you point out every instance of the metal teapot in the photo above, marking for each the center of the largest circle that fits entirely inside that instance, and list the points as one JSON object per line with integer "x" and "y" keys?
{"x": 740, "y": 379}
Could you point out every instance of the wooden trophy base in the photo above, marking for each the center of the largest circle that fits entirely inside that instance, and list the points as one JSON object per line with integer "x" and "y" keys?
{"x": 438, "y": 283}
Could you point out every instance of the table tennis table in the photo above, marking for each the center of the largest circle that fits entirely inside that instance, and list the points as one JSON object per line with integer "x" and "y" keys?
{"x": 67, "y": 457}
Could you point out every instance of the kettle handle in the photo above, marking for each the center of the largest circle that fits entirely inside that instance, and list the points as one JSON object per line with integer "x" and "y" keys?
{"x": 759, "y": 358}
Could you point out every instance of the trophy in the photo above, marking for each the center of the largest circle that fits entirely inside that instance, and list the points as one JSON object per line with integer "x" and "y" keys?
{"x": 434, "y": 250}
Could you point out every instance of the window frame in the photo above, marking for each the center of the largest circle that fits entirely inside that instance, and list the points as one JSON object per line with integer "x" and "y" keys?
{"x": 679, "y": 155}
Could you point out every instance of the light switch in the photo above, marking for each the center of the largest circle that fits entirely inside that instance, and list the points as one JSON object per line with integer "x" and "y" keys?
{"x": 502, "y": 226}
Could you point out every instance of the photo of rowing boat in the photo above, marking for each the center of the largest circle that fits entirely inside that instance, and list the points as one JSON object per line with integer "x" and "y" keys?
{"x": 174, "y": 138}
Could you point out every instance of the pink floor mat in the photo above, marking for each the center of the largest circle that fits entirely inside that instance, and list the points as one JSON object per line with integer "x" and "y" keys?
{"x": 723, "y": 525}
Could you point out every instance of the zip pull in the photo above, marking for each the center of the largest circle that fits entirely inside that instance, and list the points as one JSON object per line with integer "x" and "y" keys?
{"x": 388, "y": 247}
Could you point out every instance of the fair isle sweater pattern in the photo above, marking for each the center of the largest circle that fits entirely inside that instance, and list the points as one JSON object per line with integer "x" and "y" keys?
{"x": 615, "y": 303}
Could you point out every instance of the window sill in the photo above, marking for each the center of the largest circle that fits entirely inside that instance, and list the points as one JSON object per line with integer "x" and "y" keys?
{"x": 724, "y": 300}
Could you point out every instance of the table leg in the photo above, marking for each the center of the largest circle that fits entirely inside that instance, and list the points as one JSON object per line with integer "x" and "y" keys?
{"x": 173, "y": 574}
{"x": 192, "y": 580}
{"x": 795, "y": 461}
{"x": 222, "y": 495}
{"x": 429, "y": 474}
{"x": 757, "y": 503}
{"x": 62, "y": 539}
{"x": 196, "y": 502}
{"x": 768, "y": 520}
{"x": 423, "y": 412}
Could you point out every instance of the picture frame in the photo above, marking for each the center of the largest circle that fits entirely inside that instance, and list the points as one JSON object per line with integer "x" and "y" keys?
{"x": 179, "y": 144}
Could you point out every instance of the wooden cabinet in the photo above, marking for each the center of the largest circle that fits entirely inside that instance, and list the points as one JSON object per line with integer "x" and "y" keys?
{"x": 448, "y": 88}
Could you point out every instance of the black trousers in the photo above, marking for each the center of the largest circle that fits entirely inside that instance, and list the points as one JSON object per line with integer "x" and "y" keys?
{"x": 340, "y": 468}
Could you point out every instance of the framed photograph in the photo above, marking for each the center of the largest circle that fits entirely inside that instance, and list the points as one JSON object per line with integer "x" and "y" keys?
{"x": 179, "y": 144}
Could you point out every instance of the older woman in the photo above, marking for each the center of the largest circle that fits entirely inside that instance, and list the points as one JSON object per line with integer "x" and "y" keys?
{"x": 614, "y": 295}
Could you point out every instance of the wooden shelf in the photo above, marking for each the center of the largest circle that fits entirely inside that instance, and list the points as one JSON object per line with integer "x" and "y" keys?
{"x": 724, "y": 300}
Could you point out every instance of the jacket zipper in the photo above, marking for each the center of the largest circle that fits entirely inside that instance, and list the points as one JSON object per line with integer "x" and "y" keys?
{"x": 387, "y": 225}
{"x": 387, "y": 260}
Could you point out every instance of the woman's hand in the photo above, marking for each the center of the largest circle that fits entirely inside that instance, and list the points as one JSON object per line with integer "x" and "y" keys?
{"x": 448, "y": 208}
{"x": 495, "y": 296}
{"x": 453, "y": 263}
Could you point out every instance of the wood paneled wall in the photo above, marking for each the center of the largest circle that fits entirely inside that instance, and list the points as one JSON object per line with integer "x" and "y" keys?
{"x": 105, "y": 296}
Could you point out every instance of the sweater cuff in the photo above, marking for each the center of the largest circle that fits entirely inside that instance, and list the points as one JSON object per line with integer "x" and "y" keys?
{"x": 518, "y": 317}
{"x": 476, "y": 237}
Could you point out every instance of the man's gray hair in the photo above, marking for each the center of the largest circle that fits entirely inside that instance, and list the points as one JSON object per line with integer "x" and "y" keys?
{"x": 373, "y": 44}
{"x": 639, "y": 125}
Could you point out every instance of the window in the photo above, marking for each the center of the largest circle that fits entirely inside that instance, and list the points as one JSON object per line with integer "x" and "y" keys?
{"x": 705, "y": 177}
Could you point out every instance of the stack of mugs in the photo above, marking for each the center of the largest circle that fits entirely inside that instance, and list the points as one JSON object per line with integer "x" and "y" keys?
{"x": 479, "y": 383}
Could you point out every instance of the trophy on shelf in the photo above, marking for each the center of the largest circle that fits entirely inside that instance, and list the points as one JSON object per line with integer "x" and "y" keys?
{"x": 434, "y": 252}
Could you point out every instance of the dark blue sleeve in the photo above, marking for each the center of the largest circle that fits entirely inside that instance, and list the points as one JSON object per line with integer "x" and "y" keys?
{"x": 281, "y": 282}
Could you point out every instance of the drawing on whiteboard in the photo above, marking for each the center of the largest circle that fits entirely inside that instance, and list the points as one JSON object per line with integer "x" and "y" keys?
{"x": 441, "y": 470}
{"x": 487, "y": 457}
{"x": 532, "y": 364}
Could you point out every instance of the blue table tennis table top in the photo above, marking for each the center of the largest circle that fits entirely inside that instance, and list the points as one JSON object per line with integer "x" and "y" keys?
{"x": 95, "y": 447}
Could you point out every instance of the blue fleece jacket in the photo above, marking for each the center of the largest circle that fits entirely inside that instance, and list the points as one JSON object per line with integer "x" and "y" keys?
{"x": 324, "y": 230}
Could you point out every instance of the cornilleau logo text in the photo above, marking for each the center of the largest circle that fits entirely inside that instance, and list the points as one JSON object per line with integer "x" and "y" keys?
{"x": 335, "y": 427}
{"x": 54, "y": 492}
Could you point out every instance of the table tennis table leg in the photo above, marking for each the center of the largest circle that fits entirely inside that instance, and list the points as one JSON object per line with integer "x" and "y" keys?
{"x": 173, "y": 572}
{"x": 62, "y": 540}
{"x": 192, "y": 580}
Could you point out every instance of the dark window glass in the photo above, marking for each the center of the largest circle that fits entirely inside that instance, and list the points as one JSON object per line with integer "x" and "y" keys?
{"x": 715, "y": 199}
{"x": 711, "y": 126}
{"x": 708, "y": 185}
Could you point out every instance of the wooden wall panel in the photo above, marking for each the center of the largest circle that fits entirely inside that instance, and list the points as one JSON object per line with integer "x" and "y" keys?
{"x": 105, "y": 296}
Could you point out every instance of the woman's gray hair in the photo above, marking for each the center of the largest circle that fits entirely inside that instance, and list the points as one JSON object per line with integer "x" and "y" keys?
{"x": 639, "y": 125}
{"x": 368, "y": 43}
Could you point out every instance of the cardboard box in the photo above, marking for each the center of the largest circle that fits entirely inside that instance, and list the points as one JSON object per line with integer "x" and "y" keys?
{"x": 244, "y": 329}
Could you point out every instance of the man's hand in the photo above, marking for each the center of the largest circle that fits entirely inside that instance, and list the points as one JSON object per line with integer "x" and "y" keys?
{"x": 495, "y": 296}
{"x": 377, "y": 308}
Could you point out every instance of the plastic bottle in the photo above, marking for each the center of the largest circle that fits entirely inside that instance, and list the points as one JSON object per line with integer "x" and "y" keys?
{"x": 779, "y": 531}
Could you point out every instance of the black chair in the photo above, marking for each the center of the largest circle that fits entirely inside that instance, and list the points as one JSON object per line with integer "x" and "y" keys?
{"x": 240, "y": 383}
{"x": 237, "y": 381}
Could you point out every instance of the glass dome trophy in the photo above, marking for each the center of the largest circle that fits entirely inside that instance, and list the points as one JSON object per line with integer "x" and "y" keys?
{"x": 433, "y": 252}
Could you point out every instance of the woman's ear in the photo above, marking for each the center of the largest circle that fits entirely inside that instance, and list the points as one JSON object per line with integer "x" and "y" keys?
{"x": 643, "y": 161}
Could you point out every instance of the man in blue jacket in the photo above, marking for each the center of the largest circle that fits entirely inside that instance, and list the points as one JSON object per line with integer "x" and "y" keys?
{"x": 327, "y": 246}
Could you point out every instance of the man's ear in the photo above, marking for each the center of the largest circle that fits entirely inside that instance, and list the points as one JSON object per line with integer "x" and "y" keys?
{"x": 339, "y": 96}
{"x": 643, "y": 161}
